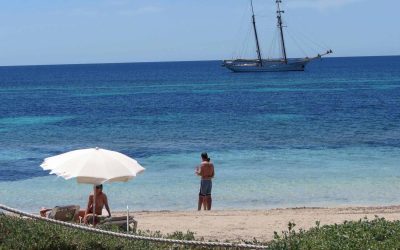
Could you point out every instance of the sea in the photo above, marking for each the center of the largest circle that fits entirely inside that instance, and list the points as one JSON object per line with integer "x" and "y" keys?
{"x": 328, "y": 136}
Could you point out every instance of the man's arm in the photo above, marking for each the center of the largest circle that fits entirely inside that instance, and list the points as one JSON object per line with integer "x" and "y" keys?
{"x": 106, "y": 205}
{"x": 198, "y": 170}
{"x": 89, "y": 204}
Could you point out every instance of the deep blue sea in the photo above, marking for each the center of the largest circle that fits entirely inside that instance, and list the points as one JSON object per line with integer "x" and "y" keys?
{"x": 329, "y": 136}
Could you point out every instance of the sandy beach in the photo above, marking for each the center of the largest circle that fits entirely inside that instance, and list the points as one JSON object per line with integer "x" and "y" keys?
{"x": 247, "y": 224}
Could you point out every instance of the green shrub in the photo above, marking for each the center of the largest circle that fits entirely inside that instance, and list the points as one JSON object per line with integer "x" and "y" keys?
{"x": 18, "y": 233}
{"x": 363, "y": 234}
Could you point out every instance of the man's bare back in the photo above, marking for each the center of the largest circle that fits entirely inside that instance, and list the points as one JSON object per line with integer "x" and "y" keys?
{"x": 206, "y": 170}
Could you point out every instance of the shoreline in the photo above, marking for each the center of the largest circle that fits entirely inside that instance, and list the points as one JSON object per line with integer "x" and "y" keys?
{"x": 236, "y": 225}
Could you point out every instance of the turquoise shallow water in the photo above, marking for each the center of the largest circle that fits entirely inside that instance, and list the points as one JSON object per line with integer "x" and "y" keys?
{"x": 324, "y": 137}
{"x": 245, "y": 179}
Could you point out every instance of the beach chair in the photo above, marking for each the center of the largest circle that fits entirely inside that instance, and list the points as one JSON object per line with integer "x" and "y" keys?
{"x": 64, "y": 213}
{"x": 119, "y": 221}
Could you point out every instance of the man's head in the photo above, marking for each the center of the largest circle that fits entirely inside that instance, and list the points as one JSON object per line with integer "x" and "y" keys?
{"x": 99, "y": 188}
{"x": 204, "y": 156}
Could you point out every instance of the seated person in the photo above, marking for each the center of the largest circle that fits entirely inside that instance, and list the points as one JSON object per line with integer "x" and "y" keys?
{"x": 101, "y": 201}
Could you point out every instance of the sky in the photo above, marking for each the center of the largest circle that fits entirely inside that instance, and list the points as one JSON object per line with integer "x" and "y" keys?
{"x": 35, "y": 32}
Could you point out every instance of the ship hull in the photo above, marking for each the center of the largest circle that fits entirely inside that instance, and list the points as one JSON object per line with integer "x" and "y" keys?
{"x": 243, "y": 65}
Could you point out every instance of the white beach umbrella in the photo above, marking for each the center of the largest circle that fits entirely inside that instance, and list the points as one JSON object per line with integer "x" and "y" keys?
{"x": 93, "y": 166}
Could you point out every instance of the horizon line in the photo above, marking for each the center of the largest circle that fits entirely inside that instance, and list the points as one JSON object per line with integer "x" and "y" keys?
{"x": 178, "y": 61}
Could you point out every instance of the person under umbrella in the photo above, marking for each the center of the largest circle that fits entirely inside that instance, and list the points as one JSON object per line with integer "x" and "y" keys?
{"x": 101, "y": 202}
{"x": 94, "y": 166}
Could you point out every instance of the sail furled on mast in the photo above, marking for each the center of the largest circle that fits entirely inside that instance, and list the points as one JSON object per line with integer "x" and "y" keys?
{"x": 280, "y": 26}
{"x": 256, "y": 34}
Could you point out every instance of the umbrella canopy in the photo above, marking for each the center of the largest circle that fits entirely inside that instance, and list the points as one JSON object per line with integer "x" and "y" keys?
{"x": 93, "y": 166}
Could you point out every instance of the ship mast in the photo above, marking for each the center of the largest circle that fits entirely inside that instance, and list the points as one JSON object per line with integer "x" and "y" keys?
{"x": 280, "y": 26}
{"x": 255, "y": 34}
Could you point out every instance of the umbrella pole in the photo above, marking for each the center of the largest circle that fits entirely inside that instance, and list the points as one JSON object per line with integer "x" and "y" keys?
{"x": 127, "y": 219}
{"x": 94, "y": 204}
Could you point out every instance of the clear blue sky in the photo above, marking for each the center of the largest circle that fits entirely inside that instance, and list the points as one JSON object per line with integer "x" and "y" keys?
{"x": 99, "y": 31}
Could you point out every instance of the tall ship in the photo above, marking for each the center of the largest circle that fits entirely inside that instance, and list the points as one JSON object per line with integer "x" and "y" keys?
{"x": 261, "y": 64}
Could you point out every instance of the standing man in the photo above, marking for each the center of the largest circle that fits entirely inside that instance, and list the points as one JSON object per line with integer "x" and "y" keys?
{"x": 206, "y": 171}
